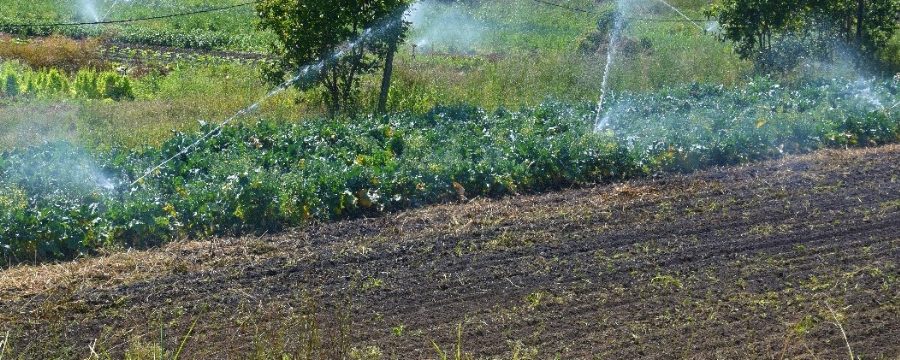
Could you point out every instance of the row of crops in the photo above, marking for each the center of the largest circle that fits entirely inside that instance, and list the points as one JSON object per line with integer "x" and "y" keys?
{"x": 193, "y": 39}
{"x": 17, "y": 80}
{"x": 59, "y": 201}
{"x": 233, "y": 29}
{"x": 126, "y": 54}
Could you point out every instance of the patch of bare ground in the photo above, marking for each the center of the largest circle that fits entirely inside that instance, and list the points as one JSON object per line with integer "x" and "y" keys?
{"x": 740, "y": 262}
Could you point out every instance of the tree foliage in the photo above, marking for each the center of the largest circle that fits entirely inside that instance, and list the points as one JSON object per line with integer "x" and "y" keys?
{"x": 310, "y": 32}
{"x": 775, "y": 33}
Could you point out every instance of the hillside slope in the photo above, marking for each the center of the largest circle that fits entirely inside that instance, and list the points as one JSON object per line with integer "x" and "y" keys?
{"x": 758, "y": 261}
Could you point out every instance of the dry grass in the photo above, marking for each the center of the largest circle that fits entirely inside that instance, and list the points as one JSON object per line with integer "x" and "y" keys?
{"x": 54, "y": 52}
{"x": 119, "y": 268}
{"x": 262, "y": 324}
{"x": 127, "y": 267}
{"x": 124, "y": 267}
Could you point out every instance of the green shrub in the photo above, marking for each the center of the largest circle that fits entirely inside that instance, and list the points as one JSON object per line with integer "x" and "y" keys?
{"x": 85, "y": 85}
{"x": 54, "y": 83}
{"x": 114, "y": 86}
{"x": 11, "y": 84}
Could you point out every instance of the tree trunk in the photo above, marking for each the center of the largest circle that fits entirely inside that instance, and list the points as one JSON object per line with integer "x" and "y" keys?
{"x": 334, "y": 106}
{"x": 386, "y": 78}
{"x": 860, "y": 21}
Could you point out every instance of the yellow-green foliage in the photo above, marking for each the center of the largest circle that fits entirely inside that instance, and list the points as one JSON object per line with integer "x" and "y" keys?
{"x": 87, "y": 84}
{"x": 114, "y": 86}
{"x": 12, "y": 197}
{"x": 53, "y": 82}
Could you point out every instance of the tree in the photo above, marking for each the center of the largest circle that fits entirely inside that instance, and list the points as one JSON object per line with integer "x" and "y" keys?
{"x": 752, "y": 24}
{"x": 770, "y": 31}
{"x": 311, "y": 32}
{"x": 867, "y": 24}
{"x": 394, "y": 35}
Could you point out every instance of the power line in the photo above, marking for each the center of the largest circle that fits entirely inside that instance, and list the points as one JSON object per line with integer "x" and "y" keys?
{"x": 122, "y": 21}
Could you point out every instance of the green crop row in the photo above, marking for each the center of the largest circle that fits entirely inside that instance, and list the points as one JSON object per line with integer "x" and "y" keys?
{"x": 59, "y": 201}
{"x": 17, "y": 80}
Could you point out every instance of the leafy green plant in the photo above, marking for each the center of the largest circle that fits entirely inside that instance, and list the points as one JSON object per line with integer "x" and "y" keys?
{"x": 61, "y": 201}
{"x": 114, "y": 86}
{"x": 52, "y": 83}
{"x": 11, "y": 84}
{"x": 85, "y": 85}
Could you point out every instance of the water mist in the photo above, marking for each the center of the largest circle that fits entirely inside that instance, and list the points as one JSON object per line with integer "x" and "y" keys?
{"x": 303, "y": 73}
{"x": 618, "y": 26}
{"x": 88, "y": 10}
{"x": 449, "y": 26}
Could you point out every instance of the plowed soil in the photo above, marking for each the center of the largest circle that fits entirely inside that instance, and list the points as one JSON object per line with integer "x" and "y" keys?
{"x": 769, "y": 260}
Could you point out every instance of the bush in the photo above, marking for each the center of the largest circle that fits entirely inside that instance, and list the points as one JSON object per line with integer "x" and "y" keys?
{"x": 114, "y": 86}
{"x": 85, "y": 85}
{"x": 10, "y": 84}
{"x": 54, "y": 83}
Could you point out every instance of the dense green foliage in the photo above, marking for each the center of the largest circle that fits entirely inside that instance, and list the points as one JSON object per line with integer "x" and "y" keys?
{"x": 59, "y": 201}
{"x": 775, "y": 33}
{"x": 312, "y": 32}
{"x": 67, "y": 165}
{"x": 233, "y": 29}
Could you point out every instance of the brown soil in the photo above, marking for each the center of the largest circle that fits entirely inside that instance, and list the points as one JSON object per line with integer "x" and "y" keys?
{"x": 759, "y": 261}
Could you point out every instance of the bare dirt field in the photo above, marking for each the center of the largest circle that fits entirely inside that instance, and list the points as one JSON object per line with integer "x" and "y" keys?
{"x": 757, "y": 261}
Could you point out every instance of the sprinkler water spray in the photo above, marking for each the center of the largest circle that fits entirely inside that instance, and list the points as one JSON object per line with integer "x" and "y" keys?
{"x": 110, "y": 9}
{"x": 619, "y": 23}
{"x": 89, "y": 8}
{"x": 302, "y": 74}
{"x": 683, "y": 15}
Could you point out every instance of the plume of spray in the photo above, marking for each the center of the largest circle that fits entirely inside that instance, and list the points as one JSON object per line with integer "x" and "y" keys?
{"x": 88, "y": 9}
{"x": 865, "y": 93}
{"x": 111, "y": 8}
{"x": 48, "y": 155}
{"x": 58, "y": 168}
{"x": 449, "y": 26}
{"x": 304, "y": 73}
{"x": 842, "y": 63}
{"x": 602, "y": 121}
{"x": 713, "y": 27}
{"x": 666, "y": 3}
